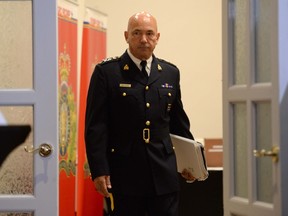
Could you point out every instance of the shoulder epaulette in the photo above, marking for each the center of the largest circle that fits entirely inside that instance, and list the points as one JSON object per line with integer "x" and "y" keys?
{"x": 110, "y": 59}
{"x": 164, "y": 61}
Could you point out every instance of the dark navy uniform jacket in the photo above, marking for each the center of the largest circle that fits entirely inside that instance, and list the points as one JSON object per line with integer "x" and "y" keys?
{"x": 128, "y": 121}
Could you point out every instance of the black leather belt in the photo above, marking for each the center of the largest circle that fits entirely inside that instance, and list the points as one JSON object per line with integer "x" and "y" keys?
{"x": 154, "y": 134}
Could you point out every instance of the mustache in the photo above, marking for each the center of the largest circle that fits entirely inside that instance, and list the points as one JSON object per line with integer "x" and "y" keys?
{"x": 144, "y": 46}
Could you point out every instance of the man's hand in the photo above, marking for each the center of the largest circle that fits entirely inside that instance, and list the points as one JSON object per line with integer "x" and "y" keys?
{"x": 188, "y": 176}
{"x": 102, "y": 184}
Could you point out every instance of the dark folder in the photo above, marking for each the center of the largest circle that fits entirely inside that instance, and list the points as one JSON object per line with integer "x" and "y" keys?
{"x": 12, "y": 136}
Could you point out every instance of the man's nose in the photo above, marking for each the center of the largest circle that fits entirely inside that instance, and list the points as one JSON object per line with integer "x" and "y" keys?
{"x": 143, "y": 38}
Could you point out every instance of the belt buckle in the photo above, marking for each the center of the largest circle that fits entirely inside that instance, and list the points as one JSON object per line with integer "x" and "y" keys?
{"x": 146, "y": 135}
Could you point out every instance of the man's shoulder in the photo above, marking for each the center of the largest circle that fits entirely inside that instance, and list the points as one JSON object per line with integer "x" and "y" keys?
{"x": 165, "y": 62}
{"x": 109, "y": 60}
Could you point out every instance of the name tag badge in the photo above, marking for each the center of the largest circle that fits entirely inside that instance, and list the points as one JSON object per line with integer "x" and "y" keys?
{"x": 125, "y": 85}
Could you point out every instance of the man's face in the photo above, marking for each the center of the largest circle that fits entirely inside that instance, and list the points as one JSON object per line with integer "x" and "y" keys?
{"x": 142, "y": 36}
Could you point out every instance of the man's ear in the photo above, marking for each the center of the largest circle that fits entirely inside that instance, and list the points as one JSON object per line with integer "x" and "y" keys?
{"x": 158, "y": 36}
{"x": 126, "y": 36}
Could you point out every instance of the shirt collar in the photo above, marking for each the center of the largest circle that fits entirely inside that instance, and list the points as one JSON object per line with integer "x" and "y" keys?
{"x": 138, "y": 61}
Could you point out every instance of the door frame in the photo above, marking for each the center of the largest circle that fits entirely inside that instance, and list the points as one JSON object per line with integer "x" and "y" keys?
{"x": 283, "y": 102}
{"x": 43, "y": 97}
{"x": 279, "y": 103}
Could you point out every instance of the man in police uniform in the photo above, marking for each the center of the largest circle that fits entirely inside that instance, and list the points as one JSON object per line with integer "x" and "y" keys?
{"x": 133, "y": 103}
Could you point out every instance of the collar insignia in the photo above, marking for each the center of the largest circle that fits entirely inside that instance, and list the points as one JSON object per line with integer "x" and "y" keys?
{"x": 159, "y": 68}
{"x": 126, "y": 67}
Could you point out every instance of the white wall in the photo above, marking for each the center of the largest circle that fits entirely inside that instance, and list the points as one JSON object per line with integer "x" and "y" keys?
{"x": 190, "y": 38}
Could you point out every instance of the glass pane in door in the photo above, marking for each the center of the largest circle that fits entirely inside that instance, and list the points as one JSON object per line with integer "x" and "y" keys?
{"x": 16, "y": 172}
{"x": 263, "y": 40}
{"x": 263, "y": 141}
{"x": 16, "y": 45}
{"x": 237, "y": 10}
{"x": 240, "y": 149}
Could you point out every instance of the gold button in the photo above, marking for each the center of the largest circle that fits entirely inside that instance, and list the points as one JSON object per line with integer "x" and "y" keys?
{"x": 113, "y": 150}
{"x": 147, "y": 88}
{"x": 124, "y": 94}
{"x": 147, "y": 105}
{"x": 169, "y": 94}
{"x": 147, "y": 123}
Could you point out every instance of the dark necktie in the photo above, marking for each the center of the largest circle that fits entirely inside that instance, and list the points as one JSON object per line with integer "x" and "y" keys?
{"x": 143, "y": 64}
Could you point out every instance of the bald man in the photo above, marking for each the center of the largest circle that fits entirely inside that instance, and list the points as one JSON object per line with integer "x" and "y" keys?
{"x": 133, "y": 104}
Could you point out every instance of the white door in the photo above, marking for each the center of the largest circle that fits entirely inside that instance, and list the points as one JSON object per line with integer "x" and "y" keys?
{"x": 255, "y": 107}
{"x": 28, "y": 95}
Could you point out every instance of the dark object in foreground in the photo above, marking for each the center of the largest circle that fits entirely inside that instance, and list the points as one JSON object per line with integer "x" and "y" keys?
{"x": 10, "y": 137}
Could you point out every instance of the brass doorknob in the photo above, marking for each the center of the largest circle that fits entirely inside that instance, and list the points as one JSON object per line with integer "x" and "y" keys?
{"x": 44, "y": 149}
{"x": 274, "y": 153}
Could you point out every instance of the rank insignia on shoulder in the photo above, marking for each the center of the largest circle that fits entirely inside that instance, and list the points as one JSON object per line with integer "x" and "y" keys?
{"x": 159, "y": 67}
{"x": 109, "y": 59}
{"x": 166, "y": 62}
{"x": 126, "y": 67}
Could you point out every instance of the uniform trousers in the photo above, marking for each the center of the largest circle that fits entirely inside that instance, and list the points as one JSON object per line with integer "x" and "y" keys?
{"x": 152, "y": 205}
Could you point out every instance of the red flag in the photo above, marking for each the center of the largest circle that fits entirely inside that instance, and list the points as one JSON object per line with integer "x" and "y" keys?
{"x": 89, "y": 202}
{"x": 67, "y": 71}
